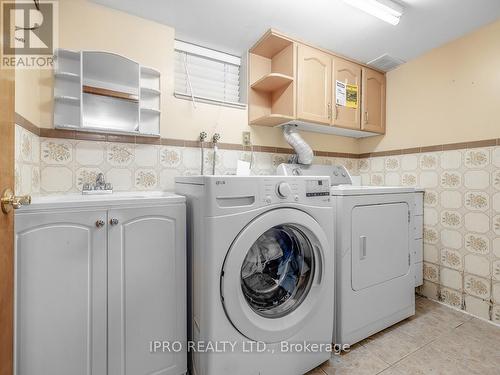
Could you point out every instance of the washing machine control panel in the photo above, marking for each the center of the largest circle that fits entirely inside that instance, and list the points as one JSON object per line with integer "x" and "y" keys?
{"x": 283, "y": 189}
{"x": 306, "y": 190}
{"x": 317, "y": 188}
{"x": 339, "y": 175}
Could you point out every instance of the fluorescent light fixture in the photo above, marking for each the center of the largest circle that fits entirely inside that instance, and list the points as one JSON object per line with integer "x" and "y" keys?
{"x": 386, "y": 10}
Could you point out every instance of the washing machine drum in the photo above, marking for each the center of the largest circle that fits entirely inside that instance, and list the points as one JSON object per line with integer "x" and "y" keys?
{"x": 271, "y": 279}
{"x": 277, "y": 271}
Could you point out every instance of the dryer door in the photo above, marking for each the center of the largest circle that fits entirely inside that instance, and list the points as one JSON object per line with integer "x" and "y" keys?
{"x": 380, "y": 244}
{"x": 272, "y": 276}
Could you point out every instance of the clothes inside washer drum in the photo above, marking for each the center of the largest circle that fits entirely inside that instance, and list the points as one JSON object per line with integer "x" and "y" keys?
{"x": 276, "y": 270}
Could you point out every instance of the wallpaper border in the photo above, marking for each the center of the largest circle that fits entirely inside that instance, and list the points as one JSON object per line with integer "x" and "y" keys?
{"x": 103, "y": 137}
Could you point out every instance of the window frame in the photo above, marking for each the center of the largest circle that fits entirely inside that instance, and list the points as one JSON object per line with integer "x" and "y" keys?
{"x": 207, "y": 53}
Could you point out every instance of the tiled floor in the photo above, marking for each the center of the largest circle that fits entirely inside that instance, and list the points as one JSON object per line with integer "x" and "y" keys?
{"x": 437, "y": 340}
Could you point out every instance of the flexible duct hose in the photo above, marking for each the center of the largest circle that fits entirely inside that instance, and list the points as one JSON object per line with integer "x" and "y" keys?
{"x": 304, "y": 152}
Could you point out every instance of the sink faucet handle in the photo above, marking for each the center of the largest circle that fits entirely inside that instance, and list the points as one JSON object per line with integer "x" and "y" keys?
{"x": 100, "y": 178}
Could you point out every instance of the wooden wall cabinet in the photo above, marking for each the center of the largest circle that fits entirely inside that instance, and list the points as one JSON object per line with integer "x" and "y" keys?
{"x": 348, "y": 73}
{"x": 314, "y": 88}
{"x": 373, "y": 101}
{"x": 292, "y": 82}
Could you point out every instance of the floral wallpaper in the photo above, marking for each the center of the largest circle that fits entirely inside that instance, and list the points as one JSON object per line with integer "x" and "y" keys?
{"x": 63, "y": 165}
{"x": 27, "y": 162}
{"x": 461, "y": 222}
{"x": 461, "y": 202}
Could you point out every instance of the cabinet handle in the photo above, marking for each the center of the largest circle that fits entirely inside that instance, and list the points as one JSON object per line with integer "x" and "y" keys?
{"x": 114, "y": 221}
{"x": 366, "y": 117}
{"x": 329, "y": 111}
{"x": 336, "y": 111}
{"x": 99, "y": 223}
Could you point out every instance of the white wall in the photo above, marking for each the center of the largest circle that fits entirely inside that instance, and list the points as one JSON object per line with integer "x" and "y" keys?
{"x": 449, "y": 95}
{"x": 85, "y": 25}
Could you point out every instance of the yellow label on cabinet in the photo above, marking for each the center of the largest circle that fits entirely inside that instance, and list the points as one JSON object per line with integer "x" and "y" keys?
{"x": 351, "y": 96}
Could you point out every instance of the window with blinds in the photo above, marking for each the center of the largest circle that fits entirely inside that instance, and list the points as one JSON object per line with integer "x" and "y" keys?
{"x": 205, "y": 75}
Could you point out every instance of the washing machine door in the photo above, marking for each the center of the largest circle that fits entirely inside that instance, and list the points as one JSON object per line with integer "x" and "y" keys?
{"x": 272, "y": 275}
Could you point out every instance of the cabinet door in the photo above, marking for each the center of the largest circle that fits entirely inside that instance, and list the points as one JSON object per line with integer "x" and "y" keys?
{"x": 60, "y": 293}
{"x": 373, "y": 101}
{"x": 314, "y": 88}
{"x": 346, "y": 114}
{"x": 146, "y": 289}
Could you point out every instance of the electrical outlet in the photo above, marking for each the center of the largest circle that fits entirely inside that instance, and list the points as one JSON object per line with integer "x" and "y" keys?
{"x": 246, "y": 139}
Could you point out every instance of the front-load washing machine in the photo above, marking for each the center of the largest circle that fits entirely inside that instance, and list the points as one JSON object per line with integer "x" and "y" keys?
{"x": 261, "y": 268}
{"x": 374, "y": 242}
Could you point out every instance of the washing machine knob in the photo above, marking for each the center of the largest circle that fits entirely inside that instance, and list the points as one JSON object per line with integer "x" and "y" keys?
{"x": 284, "y": 190}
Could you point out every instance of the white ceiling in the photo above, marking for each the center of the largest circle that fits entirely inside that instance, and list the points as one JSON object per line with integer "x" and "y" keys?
{"x": 234, "y": 25}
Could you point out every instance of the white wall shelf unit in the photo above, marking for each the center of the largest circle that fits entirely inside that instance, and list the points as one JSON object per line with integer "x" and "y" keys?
{"x": 149, "y": 91}
{"x": 67, "y": 75}
{"x": 105, "y": 92}
{"x": 66, "y": 98}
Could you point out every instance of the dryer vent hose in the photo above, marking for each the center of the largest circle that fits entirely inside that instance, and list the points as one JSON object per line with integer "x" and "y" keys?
{"x": 304, "y": 152}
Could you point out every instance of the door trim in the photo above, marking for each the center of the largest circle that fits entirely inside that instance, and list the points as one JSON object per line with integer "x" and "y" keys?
{"x": 7, "y": 114}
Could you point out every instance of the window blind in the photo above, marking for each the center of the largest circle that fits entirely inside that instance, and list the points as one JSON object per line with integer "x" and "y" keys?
{"x": 206, "y": 75}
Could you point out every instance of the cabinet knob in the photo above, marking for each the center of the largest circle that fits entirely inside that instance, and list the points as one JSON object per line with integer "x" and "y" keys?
{"x": 99, "y": 223}
{"x": 114, "y": 221}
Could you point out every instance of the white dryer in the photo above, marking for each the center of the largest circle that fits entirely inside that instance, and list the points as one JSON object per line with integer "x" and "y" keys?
{"x": 374, "y": 240}
{"x": 261, "y": 273}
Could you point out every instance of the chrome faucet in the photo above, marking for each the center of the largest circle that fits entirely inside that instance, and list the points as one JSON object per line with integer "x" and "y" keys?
{"x": 215, "y": 139}
{"x": 203, "y": 136}
{"x": 99, "y": 187}
{"x": 100, "y": 181}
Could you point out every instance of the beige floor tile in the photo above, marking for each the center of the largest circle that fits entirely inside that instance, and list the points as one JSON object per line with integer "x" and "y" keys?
{"x": 424, "y": 328}
{"x": 424, "y": 306}
{"x": 316, "y": 371}
{"x": 359, "y": 361}
{"x": 436, "y": 341}
{"x": 472, "y": 348}
{"x": 390, "y": 371}
{"x": 475, "y": 345}
{"x": 428, "y": 361}
{"x": 481, "y": 332}
{"x": 432, "y": 320}
{"x": 393, "y": 344}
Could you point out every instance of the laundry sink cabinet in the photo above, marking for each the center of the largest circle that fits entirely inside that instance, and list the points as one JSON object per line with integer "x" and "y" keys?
{"x": 96, "y": 283}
